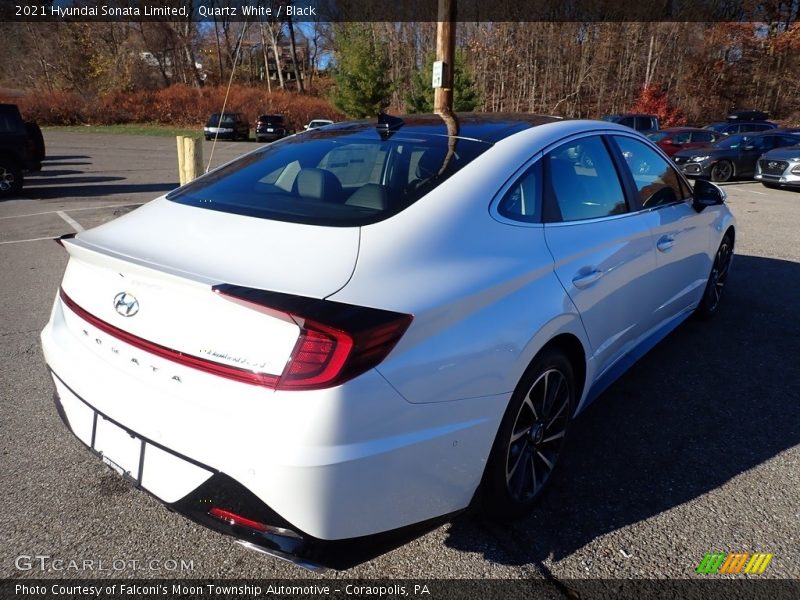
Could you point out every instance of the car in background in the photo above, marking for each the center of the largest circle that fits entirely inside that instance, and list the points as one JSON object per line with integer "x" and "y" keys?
{"x": 732, "y": 156}
{"x": 743, "y": 121}
{"x": 674, "y": 139}
{"x": 227, "y": 126}
{"x": 316, "y": 123}
{"x": 20, "y": 150}
{"x": 728, "y": 128}
{"x": 367, "y": 327}
{"x": 640, "y": 122}
{"x": 270, "y": 128}
{"x": 780, "y": 167}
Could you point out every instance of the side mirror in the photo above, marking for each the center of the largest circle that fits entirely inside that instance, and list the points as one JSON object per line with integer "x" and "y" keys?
{"x": 707, "y": 194}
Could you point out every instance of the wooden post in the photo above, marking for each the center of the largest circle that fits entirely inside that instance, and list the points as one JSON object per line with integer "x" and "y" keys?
{"x": 181, "y": 174}
{"x": 446, "y": 52}
{"x": 193, "y": 158}
{"x": 190, "y": 158}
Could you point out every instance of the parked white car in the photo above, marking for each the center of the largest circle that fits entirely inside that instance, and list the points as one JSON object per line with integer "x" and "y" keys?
{"x": 366, "y": 328}
{"x": 317, "y": 123}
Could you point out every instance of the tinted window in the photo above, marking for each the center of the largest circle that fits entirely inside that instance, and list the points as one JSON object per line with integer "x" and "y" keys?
{"x": 522, "y": 200}
{"x": 658, "y": 136}
{"x": 681, "y": 138}
{"x": 583, "y": 181}
{"x": 331, "y": 178}
{"x": 657, "y": 182}
{"x": 703, "y": 137}
{"x": 627, "y": 121}
{"x": 643, "y": 123}
{"x": 789, "y": 140}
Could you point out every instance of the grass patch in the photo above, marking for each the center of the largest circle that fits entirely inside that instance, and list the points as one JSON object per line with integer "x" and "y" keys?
{"x": 130, "y": 129}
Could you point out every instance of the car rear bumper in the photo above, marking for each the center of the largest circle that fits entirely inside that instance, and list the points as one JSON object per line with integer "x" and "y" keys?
{"x": 336, "y": 464}
{"x": 273, "y": 534}
{"x": 269, "y": 136}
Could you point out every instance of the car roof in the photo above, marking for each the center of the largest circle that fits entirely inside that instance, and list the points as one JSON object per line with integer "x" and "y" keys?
{"x": 682, "y": 130}
{"x": 484, "y": 127}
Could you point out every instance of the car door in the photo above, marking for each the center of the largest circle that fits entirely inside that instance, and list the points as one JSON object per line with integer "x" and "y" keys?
{"x": 701, "y": 138}
{"x": 682, "y": 237}
{"x": 751, "y": 150}
{"x": 602, "y": 250}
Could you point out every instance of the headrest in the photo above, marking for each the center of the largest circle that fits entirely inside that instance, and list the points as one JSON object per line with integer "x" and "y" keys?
{"x": 318, "y": 184}
{"x": 371, "y": 195}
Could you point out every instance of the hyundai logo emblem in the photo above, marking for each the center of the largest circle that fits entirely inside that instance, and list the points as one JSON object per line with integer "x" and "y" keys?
{"x": 772, "y": 164}
{"x": 125, "y": 304}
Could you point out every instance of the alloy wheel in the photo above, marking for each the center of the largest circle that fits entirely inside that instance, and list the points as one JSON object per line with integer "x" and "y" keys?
{"x": 719, "y": 274}
{"x": 537, "y": 435}
{"x": 6, "y": 180}
{"x": 722, "y": 171}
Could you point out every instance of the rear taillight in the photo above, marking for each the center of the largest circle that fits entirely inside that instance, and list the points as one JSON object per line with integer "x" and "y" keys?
{"x": 337, "y": 341}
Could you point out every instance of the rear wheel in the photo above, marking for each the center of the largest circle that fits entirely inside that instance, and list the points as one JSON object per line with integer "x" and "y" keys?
{"x": 717, "y": 279}
{"x": 722, "y": 171}
{"x": 772, "y": 186}
{"x": 531, "y": 437}
{"x": 10, "y": 178}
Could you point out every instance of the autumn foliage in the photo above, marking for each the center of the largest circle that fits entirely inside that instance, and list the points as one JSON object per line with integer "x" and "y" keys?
{"x": 178, "y": 105}
{"x": 653, "y": 100}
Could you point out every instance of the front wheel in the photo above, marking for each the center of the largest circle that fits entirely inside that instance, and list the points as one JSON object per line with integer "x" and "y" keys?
{"x": 531, "y": 437}
{"x": 722, "y": 171}
{"x": 717, "y": 279}
{"x": 10, "y": 178}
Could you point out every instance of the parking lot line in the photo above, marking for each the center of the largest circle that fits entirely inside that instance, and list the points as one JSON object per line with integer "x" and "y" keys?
{"x": 70, "y": 221}
{"x": 29, "y": 240}
{"x": 50, "y": 212}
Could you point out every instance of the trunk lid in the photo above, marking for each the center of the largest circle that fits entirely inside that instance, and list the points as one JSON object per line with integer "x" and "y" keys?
{"x": 150, "y": 274}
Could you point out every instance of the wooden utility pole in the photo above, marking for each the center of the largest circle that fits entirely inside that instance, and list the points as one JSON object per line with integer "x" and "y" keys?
{"x": 445, "y": 52}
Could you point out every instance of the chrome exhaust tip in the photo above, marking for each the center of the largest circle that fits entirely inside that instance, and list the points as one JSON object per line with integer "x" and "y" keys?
{"x": 303, "y": 564}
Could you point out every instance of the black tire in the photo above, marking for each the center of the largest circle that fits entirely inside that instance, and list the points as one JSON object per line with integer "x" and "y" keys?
{"x": 722, "y": 171}
{"x": 530, "y": 438}
{"x": 35, "y": 135}
{"x": 208, "y": 138}
{"x": 716, "y": 280}
{"x": 10, "y": 178}
{"x": 772, "y": 186}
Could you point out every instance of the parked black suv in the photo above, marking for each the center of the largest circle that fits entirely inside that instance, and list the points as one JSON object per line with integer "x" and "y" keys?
{"x": 18, "y": 150}
{"x": 227, "y": 126}
{"x": 270, "y": 128}
{"x": 643, "y": 123}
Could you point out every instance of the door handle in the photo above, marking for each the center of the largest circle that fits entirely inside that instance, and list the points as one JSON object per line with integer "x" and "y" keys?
{"x": 665, "y": 243}
{"x": 587, "y": 279}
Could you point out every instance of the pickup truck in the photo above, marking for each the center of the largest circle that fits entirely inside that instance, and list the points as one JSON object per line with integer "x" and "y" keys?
{"x": 21, "y": 148}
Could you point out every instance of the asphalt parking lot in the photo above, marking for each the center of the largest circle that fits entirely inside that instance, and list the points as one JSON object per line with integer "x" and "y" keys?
{"x": 695, "y": 450}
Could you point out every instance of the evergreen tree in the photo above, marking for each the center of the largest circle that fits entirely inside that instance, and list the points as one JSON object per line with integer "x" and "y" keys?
{"x": 361, "y": 72}
{"x": 465, "y": 95}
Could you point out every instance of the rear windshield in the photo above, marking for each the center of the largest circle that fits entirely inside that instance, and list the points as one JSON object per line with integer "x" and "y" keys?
{"x": 333, "y": 178}
{"x": 270, "y": 119}
{"x": 227, "y": 119}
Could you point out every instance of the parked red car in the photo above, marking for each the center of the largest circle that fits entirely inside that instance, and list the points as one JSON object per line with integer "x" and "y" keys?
{"x": 673, "y": 139}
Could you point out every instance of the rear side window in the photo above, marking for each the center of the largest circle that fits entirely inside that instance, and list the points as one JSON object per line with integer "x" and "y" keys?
{"x": 702, "y": 137}
{"x": 331, "y": 178}
{"x": 522, "y": 201}
{"x": 583, "y": 181}
{"x": 657, "y": 182}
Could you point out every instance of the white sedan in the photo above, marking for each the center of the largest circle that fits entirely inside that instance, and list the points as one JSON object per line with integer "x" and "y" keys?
{"x": 348, "y": 333}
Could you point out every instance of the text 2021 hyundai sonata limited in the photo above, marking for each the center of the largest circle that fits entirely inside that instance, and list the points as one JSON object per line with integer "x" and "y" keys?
{"x": 369, "y": 326}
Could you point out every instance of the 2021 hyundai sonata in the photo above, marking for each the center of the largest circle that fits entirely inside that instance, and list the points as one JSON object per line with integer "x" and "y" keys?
{"x": 370, "y": 326}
